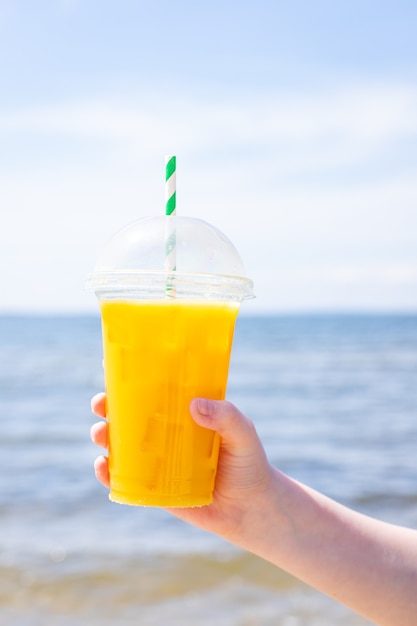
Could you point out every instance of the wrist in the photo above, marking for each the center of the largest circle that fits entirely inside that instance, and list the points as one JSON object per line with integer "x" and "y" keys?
{"x": 264, "y": 522}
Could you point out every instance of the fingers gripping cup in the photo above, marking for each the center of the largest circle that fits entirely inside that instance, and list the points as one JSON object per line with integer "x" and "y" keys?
{"x": 167, "y": 338}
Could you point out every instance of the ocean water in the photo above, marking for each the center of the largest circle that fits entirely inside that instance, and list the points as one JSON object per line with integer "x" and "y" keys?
{"x": 334, "y": 399}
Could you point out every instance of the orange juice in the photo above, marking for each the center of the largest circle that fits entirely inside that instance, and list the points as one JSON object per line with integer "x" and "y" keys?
{"x": 158, "y": 355}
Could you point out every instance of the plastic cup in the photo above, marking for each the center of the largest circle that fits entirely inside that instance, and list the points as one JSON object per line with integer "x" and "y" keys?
{"x": 160, "y": 351}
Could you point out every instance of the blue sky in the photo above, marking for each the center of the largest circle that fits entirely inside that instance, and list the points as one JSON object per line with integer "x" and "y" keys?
{"x": 294, "y": 126}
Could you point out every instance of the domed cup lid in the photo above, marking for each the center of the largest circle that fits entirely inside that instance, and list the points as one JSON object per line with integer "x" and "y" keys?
{"x": 133, "y": 263}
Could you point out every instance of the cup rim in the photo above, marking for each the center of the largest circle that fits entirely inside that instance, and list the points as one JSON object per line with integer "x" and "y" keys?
{"x": 146, "y": 284}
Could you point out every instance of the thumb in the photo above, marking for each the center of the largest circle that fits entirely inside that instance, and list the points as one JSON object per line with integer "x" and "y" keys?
{"x": 234, "y": 428}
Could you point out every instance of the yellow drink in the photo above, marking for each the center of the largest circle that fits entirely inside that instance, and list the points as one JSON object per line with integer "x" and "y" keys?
{"x": 158, "y": 355}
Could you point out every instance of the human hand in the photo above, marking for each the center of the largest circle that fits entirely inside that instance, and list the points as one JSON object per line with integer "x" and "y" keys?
{"x": 243, "y": 476}
{"x": 350, "y": 557}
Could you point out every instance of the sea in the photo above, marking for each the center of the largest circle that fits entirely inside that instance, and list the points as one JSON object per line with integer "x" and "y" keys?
{"x": 334, "y": 399}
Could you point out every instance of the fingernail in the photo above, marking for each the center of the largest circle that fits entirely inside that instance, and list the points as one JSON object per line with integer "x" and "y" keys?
{"x": 205, "y": 407}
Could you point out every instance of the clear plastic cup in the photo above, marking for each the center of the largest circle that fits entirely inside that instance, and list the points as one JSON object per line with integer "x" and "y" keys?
{"x": 167, "y": 338}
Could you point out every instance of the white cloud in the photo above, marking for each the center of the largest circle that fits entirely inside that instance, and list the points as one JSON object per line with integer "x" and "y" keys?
{"x": 366, "y": 287}
{"x": 374, "y": 114}
{"x": 366, "y": 274}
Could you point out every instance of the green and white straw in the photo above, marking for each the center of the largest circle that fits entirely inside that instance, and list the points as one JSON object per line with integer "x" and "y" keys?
{"x": 170, "y": 212}
{"x": 170, "y": 185}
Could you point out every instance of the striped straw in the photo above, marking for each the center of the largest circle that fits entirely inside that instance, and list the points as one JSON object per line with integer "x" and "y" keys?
{"x": 170, "y": 185}
{"x": 170, "y": 212}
